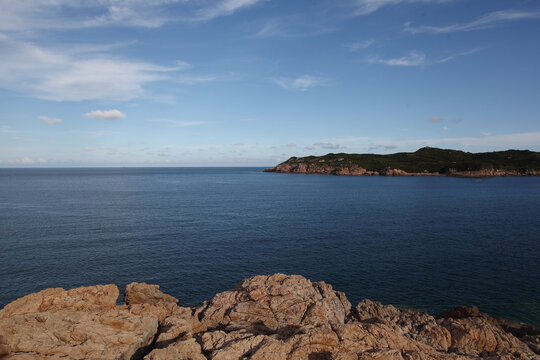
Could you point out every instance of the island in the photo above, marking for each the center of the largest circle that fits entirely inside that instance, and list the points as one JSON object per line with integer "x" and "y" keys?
{"x": 264, "y": 317}
{"x": 427, "y": 161}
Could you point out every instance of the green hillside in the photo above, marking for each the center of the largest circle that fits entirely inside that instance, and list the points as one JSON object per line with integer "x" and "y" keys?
{"x": 430, "y": 159}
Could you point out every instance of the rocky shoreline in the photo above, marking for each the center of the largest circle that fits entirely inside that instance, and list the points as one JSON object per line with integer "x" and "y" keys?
{"x": 264, "y": 317}
{"x": 301, "y": 168}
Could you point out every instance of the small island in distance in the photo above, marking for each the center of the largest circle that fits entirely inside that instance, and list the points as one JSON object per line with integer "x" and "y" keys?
{"x": 427, "y": 161}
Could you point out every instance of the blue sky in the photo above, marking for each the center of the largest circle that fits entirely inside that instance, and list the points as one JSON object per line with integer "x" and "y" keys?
{"x": 253, "y": 82}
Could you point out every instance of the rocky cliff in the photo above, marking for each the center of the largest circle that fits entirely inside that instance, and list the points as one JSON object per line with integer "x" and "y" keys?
{"x": 424, "y": 162}
{"x": 264, "y": 317}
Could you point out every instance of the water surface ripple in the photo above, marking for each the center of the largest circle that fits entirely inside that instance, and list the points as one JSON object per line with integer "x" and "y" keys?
{"x": 421, "y": 242}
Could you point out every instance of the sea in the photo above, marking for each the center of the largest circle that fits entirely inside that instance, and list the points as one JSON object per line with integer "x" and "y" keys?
{"x": 427, "y": 243}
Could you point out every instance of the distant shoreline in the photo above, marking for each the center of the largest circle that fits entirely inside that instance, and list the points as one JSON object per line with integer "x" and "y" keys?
{"x": 424, "y": 162}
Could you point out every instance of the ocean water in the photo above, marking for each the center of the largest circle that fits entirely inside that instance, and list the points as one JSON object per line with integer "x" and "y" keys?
{"x": 427, "y": 243}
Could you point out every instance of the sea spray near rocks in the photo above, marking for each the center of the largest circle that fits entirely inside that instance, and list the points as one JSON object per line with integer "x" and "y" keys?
{"x": 264, "y": 317}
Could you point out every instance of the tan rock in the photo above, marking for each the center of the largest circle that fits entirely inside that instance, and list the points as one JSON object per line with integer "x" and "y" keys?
{"x": 143, "y": 293}
{"x": 187, "y": 349}
{"x": 264, "y": 317}
{"x": 91, "y": 298}
{"x": 82, "y": 323}
{"x": 143, "y": 298}
{"x": 478, "y": 335}
{"x": 268, "y": 303}
{"x": 417, "y": 326}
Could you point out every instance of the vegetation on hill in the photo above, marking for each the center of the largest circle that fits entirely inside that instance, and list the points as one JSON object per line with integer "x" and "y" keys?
{"x": 428, "y": 159}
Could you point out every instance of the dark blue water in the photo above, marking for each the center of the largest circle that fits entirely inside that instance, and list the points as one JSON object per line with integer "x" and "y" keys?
{"x": 421, "y": 242}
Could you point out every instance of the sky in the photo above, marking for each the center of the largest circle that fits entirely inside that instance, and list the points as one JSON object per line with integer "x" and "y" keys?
{"x": 254, "y": 82}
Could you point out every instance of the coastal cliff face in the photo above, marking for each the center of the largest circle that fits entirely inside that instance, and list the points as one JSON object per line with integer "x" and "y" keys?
{"x": 303, "y": 168}
{"x": 424, "y": 162}
{"x": 264, "y": 317}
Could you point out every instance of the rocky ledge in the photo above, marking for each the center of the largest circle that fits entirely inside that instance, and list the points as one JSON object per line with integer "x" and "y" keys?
{"x": 264, "y": 317}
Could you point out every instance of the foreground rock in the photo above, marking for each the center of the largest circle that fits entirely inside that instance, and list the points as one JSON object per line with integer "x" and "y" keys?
{"x": 264, "y": 317}
{"x": 82, "y": 323}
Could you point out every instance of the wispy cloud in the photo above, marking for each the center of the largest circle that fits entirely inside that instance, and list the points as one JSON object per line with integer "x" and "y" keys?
{"x": 435, "y": 119}
{"x": 484, "y": 22}
{"x": 63, "y": 76}
{"x": 179, "y": 123}
{"x": 360, "y": 45}
{"x": 222, "y": 8}
{"x": 27, "y": 161}
{"x": 417, "y": 58}
{"x": 5, "y": 129}
{"x": 328, "y": 145}
{"x": 414, "y": 58}
{"x": 48, "y": 120}
{"x": 301, "y": 83}
{"x": 291, "y": 26}
{"x": 486, "y": 141}
{"x": 196, "y": 79}
{"x": 112, "y": 114}
{"x": 382, "y": 147}
{"x": 70, "y": 14}
{"x": 365, "y": 7}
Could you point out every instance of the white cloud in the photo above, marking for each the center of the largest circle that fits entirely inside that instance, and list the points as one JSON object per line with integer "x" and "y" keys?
{"x": 483, "y": 22}
{"x": 31, "y": 15}
{"x": 365, "y": 7}
{"x": 113, "y": 114}
{"x": 309, "y": 147}
{"x": 196, "y": 79}
{"x": 27, "y": 161}
{"x": 360, "y": 45}
{"x": 291, "y": 26}
{"x": 435, "y": 119}
{"x": 4, "y": 129}
{"x": 456, "y": 55}
{"x": 416, "y": 58}
{"x": 382, "y": 147}
{"x": 222, "y": 8}
{"x": 72, "y": 14}
{"x": 486, "y": 141}
{"x": 48, "y": 120}
{"x": 64, "y": 76}
{"x": 328, "y": 145}
{"x": 301, "y": 83}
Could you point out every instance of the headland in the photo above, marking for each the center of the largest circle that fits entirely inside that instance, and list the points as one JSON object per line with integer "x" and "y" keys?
{"x": 426, "y": 161}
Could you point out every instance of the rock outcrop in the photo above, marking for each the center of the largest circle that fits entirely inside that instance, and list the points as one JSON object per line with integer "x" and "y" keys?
{"x": 264, "y": 317}
{"x": 82, "y": 323}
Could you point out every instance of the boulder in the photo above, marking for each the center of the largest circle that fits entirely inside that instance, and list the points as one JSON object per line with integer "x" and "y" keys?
{"x": 82, "y": 323}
